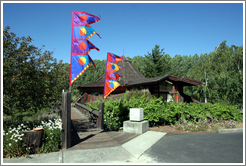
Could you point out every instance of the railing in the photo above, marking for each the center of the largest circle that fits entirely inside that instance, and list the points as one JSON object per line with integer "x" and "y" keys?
{"x": 95, "y": 115}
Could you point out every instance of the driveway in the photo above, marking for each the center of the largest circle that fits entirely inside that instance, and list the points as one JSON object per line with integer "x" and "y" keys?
{"x": 198, "y": 148}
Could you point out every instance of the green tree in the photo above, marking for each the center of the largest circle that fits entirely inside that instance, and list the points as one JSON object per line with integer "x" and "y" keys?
{"x": 30, "y": 81}
{"x": 221, "y": 70}
{"x": 156, "y": 63}
{"x": 191, "y": 71}
{"x": 59, "y": 77}
{"x": 138, "y": 62}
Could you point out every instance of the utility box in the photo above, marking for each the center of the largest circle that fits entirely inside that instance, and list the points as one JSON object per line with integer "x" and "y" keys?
{"x": 136, "y": 114}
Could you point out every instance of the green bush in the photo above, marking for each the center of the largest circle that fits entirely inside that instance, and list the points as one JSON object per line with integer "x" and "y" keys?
{"x": 52, "y": 136}
{"x": 115, "y": 113}
{"x": 158, "y": 112}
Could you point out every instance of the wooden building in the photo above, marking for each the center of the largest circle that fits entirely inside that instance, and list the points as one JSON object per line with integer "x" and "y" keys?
{"x": 166, "y": 86}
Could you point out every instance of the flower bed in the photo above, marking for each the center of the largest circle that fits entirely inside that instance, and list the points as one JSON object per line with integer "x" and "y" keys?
{"x": 14, "y": 144}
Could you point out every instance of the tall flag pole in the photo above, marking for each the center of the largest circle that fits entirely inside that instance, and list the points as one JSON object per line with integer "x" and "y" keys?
{"x": 111, "y": 75}
{"x": 80, "y": 45}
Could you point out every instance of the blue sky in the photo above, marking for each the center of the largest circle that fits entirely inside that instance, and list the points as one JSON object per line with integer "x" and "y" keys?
{"x": 180, "y": 28}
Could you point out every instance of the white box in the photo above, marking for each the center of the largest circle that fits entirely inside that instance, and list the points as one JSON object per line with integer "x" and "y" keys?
{"x": 136, "y": 114}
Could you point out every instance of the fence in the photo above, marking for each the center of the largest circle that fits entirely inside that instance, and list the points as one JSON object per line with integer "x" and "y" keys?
{"x": 95, "y": 115}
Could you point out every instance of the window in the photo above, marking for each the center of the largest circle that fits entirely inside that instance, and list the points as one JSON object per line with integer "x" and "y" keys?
{"x": 166, "y": 96}
{"x": 164, "y": 89}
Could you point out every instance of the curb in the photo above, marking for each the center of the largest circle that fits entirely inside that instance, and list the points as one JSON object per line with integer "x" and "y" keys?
{"x": 234, "y": 130}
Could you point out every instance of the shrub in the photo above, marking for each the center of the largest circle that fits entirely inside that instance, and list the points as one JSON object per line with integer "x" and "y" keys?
{"x": 52, "y": 136}
{"x": 158, "y": 112}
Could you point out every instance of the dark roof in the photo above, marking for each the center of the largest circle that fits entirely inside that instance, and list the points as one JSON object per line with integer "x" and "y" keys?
{"x": 130, "y": 72}
{"x": 174, "y": 79}
{"x": 133, "y": 77}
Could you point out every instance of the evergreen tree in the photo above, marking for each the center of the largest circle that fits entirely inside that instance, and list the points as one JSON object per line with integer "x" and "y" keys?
{"x": 138, "y": 62}
{"x": 156, "y": 63}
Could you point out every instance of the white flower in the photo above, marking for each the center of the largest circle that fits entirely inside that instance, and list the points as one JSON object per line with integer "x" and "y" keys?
{"x": 10, "y": 144}
{"x": 16, "y": 140}
{"x": 22, "y": 125}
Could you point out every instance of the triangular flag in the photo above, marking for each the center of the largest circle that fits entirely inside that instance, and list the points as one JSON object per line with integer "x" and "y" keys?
{"x": 113, "y": 67}
{"x": 79, "y": 64}
{"x": 110, "y": 86}
{"x": 83, "y": 18}
{"x": 83, "y": 32}
{"x": 82, "y": 47}
{"x": 112, "y": 75}
{"x": 113, "y": 58}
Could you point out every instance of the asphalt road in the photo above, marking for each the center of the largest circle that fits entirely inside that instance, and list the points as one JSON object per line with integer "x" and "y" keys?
{"x": 198, "y": 148}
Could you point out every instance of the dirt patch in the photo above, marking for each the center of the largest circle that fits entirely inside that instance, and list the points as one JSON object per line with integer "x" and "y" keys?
{"x": 174, "y": 129}
{"x": 196, "y": 128}
{"x": 240, "y": 125}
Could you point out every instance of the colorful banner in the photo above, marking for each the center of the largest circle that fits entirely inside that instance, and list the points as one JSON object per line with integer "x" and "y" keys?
{"x": 110, "y": 86}
{"x": 110, "y": 83}
{"x": 80, "y": 46}
{"x": 79, "y": 64}
{"x": 113, "y": 58}
{"x": 112, "y": 76}
{"x": 83, "y": 18}
{"x": 112, "y": 67}
{"x": 83, "y": 32}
